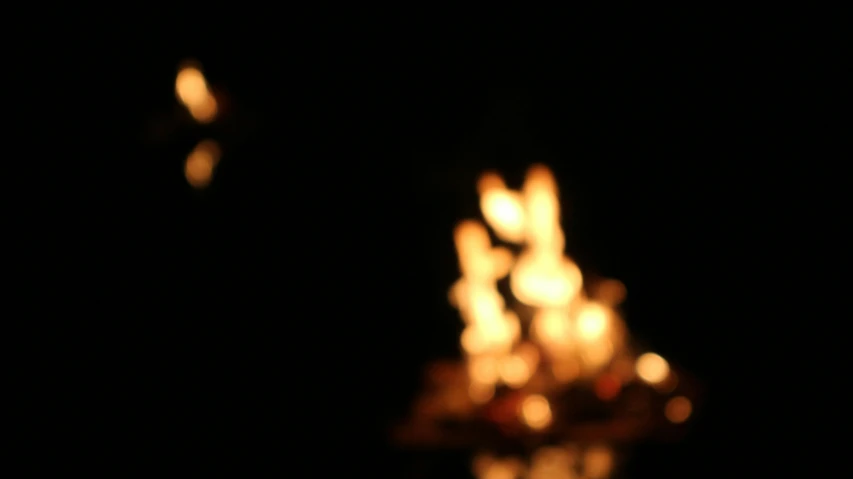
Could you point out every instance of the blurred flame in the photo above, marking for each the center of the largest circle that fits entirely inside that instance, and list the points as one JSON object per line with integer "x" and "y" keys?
{"x": 481, "y": 393}
{"x": 487, "y": 467}
{"x": 201, "y": 163}
{"x": 577, "y": 335}
{"x": 192, "y": 90}
{"x": 536, "y": 412}
{"x": 678, "y": 409}
{"x": 569, "y": 461}
{"x": 503, "y": 209}
{"x": 544, "y": 279}
{"x": 566, "y": 333}
{"x": 652, "y": 368}
{"x": 598, "y": 462}
{"x": 514, "y": 371}
{"x": 592, "y": 322}
{"x": 552, "y": 463}
{"x": 491, "y": 329}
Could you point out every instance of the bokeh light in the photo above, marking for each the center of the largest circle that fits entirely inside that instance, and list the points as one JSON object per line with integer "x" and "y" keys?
{"x": 652, "y": 368}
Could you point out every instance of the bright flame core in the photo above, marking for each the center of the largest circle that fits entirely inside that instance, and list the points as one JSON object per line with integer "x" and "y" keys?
{"x": 192, "y": 90}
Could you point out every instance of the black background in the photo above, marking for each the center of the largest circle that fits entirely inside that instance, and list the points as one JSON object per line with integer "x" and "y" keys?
{"x": 289, "y": 309}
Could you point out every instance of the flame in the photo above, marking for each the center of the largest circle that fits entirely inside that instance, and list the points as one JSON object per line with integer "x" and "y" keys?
{"x": 193, "y": 92}
{"x": 652, "y": 368}
{"x": 565, "y": 332}
{"x": 536, "y": 412}
{"x": 503, "y": 209}
{"x": 576, "y": 334}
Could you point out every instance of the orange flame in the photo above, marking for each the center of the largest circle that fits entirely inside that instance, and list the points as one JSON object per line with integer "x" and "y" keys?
{"x": 192, "y": 90}
{"x": 578, "y": 336}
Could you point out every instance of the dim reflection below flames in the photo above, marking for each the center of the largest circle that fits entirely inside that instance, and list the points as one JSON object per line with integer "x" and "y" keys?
{"x": 562, "y": 334}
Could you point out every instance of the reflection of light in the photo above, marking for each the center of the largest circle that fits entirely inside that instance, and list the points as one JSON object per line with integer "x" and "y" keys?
{"x": 499, "y": 470}
{"x": 652, "y": 368}
{"x": 200, "y": 164}
{"x": 536, "y": 412}
{"x": 551, "y": 463}
{"x": 488, "y": 467}
{"x": 598, "y": 462}
{"x": 678, "y": 409}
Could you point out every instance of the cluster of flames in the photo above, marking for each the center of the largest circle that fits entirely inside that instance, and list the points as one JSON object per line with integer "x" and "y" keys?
{"x": 195, "y": 95}
{"x": 556, "y": 330}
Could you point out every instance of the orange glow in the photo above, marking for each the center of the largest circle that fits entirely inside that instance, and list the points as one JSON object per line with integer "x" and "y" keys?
{"x": 483, "y": 369}
{"x": 536, "y": 412}
{"x": 552, "y": 326}
{"x": 566, "y": 371}
{"x": 529, "y": 353}
{"x": 678, "y": 409}
{"x": 652, "y": 368}
{"x": 597, "y": 354}
{"x": 543, "y": 210}
{"x": 192, "y": 90}
{"x": 611, "y": 292}
{"x": 552, "y": 463}
{"x": 598, "y": 462}
{"x": 552, "y": 329}
{"x": 592, "y": 322}
{"x": 540, "y": 279}
{"x": 623, "y": 367}
{"x": 481, "y": 393}
{"x": 472, "y": 342}
{"x": 514, "y": 371}
{"x": 487, "y": 467}
{"x": 504, "y": 212}
{"x": 200, "y": 164}
{"x": 500, "y": 470}
{"x": 502, "y": 261}
{"x": 607, "y": 387}
{"x": 490, "y": 181}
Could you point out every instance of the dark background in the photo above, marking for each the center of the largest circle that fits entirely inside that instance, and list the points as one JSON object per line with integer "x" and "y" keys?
{"x": 288, "y": 310}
